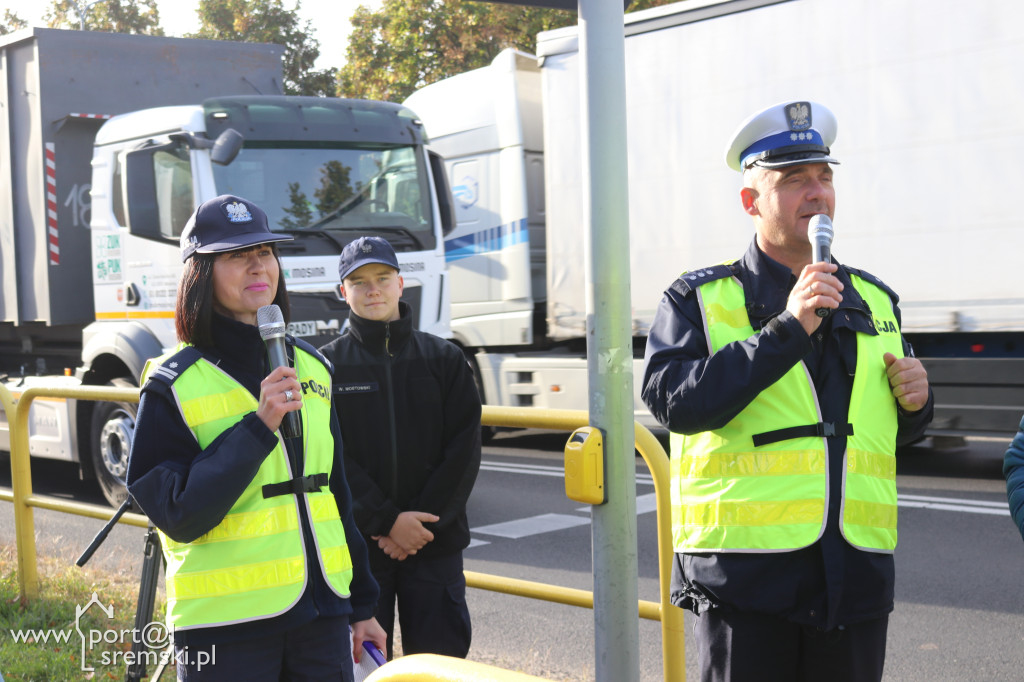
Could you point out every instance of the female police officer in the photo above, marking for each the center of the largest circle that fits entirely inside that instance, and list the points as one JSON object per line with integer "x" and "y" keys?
{"x": 265, "y": 567}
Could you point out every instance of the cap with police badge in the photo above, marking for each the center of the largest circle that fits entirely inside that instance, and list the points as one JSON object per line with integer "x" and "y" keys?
{"x": 784, "y": 134}
{"x": 226, "y": 223}
{"x": 364, "y": 251}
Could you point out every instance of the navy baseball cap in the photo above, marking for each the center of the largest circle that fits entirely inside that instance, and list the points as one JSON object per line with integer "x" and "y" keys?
{"x": 784, "y": 134}
{"x": 364, "y": 251}
{"x": 226, "y": 223}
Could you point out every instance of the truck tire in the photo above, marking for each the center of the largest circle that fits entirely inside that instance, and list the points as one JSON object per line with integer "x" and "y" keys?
{"x": 113, "y": 427}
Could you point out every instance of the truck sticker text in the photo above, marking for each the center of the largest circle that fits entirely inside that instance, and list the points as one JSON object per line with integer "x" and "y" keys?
{"x": 305, "y": 273}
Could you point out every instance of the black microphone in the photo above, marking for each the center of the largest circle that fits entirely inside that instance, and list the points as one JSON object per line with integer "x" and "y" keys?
{"x": 270, "y": 320}
{"x": 820, "y": 232}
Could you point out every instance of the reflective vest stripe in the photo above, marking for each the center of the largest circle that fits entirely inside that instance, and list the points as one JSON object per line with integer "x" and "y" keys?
{"x": 775, "y": 463}
{"x": 205, "y": 409}
{"x": 261, "y": 523}
{"x": 728, "y": 495}
{"x": 725, "y": 513}
{"x": 244, "y": 579}
{"x": 870, "y": 464}
{"x": 235, "y": 580}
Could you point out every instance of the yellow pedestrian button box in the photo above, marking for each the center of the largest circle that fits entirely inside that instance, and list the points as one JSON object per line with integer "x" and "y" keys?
{"x": 584, "y": 466}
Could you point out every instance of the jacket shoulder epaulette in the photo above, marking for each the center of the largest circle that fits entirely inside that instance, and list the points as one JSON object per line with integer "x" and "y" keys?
{"x": 867, "y": 276}
{"x": 315, "y": 352}
{"x": 689, "y": 281}
{"x": 171, "y": 368}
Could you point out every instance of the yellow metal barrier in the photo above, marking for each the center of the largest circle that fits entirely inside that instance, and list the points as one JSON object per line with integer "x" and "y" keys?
{"x": 433, "y": 668}
{"x": 673, "y": 648}
{"x": 21, "y": 477}
{"x": 673, "y": 644}
{"x": 569, "y": 596}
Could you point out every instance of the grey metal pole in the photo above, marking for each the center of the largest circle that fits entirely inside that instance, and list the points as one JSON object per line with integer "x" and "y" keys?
{"x": 609, "y": 336}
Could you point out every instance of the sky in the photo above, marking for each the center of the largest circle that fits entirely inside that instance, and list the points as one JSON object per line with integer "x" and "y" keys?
{"x": 329, "y": 20}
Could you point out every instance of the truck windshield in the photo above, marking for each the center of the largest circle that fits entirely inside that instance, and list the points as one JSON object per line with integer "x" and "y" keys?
{"x": 381, "y": 191}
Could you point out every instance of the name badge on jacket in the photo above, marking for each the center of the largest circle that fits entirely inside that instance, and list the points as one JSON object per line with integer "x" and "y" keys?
{"x": 360, "y": 387}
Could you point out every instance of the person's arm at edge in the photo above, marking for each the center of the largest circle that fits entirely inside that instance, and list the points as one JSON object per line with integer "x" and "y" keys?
{"x": 1013, "y": 470}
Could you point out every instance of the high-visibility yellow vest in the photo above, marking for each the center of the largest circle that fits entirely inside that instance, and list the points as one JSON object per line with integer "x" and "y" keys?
{"x": 730, "y": 495}
{"x": 252, "y": 565}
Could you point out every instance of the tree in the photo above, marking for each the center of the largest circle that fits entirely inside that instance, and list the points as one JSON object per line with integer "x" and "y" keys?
{"x": 410, "y": 43}
{"x": 268, "y": 21}
{"x": 12, "y": 22}
{"x": 335, "y": 187}
{"x": 300, "y": 214}
{"x": 114, "y": 16}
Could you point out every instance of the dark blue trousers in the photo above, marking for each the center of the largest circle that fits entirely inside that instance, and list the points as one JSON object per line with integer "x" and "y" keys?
{"x": 737, "y": 647}
{"x": 320, "y": 650}
{"x": 431, "y": 598}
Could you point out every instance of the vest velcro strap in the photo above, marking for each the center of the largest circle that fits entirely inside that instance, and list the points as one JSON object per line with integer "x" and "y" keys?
{"x": 821, "y": 430}
{"x": 296, "y": 486}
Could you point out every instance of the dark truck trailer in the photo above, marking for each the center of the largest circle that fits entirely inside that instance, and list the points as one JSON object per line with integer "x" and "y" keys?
{"x": 58, "y": 88}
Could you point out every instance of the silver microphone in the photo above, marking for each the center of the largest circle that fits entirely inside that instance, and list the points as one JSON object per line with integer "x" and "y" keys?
{"x": 821, "y": 233}
{"x": 270, "y": 321}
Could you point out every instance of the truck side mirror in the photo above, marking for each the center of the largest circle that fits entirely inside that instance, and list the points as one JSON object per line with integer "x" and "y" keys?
{"x": 445, "y": 205}
{"x": 226, "y": 147}
{"x": 158, "y": 188}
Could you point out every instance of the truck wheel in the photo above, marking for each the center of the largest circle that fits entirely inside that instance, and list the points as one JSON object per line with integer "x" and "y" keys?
{"x": 113, "y": 427}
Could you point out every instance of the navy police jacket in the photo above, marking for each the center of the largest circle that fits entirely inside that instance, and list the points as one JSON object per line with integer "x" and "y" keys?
{"x": 410, "y": 418}
{"x": 829, "y": 583}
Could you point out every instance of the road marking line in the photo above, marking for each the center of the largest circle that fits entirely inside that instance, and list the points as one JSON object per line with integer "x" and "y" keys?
{"x": 645, "y": 504}
{"x": 511, "y": 470}
{"x": 533, "y": 525}
{"x": 543, "y": 470}
{"x": 980, "y": 503}
{"x": 953, "y": 504}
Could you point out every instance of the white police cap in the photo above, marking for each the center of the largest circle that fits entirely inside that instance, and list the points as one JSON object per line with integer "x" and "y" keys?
{"x": 784, "y": 134}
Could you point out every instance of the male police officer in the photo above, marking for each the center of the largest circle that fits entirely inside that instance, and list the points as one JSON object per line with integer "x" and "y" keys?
{"x": 784, "y": 428}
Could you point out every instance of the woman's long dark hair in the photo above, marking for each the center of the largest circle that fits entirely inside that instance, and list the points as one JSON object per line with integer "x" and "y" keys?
{"x": 193, "y": 310}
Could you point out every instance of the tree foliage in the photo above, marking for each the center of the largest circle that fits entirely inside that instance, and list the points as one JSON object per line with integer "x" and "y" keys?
{"x": 11, "y": 23}
{"x": 114, "y": 16}
{"x": 407, "y": 44}
{"x": 269, "y": 21}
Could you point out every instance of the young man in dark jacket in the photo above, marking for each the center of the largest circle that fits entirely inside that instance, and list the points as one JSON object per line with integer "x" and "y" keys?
{"x": 410, "y": 422}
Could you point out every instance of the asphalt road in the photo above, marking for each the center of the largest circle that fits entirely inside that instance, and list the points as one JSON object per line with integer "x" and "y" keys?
{"x": 959, "y": 613}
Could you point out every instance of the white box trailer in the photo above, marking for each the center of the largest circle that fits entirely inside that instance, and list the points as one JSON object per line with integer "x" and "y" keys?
{"x": 927, "y": 98}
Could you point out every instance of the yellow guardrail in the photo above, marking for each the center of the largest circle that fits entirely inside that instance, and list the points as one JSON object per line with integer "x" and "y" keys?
{"x": 673, "y": 644}
{"x": 433, "y": 668}
{"x": 21, "y": 477}
{"x": 673, "y": 648}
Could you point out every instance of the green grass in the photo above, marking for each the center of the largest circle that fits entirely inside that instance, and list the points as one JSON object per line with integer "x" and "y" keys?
{"x": 53, "y": 613}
